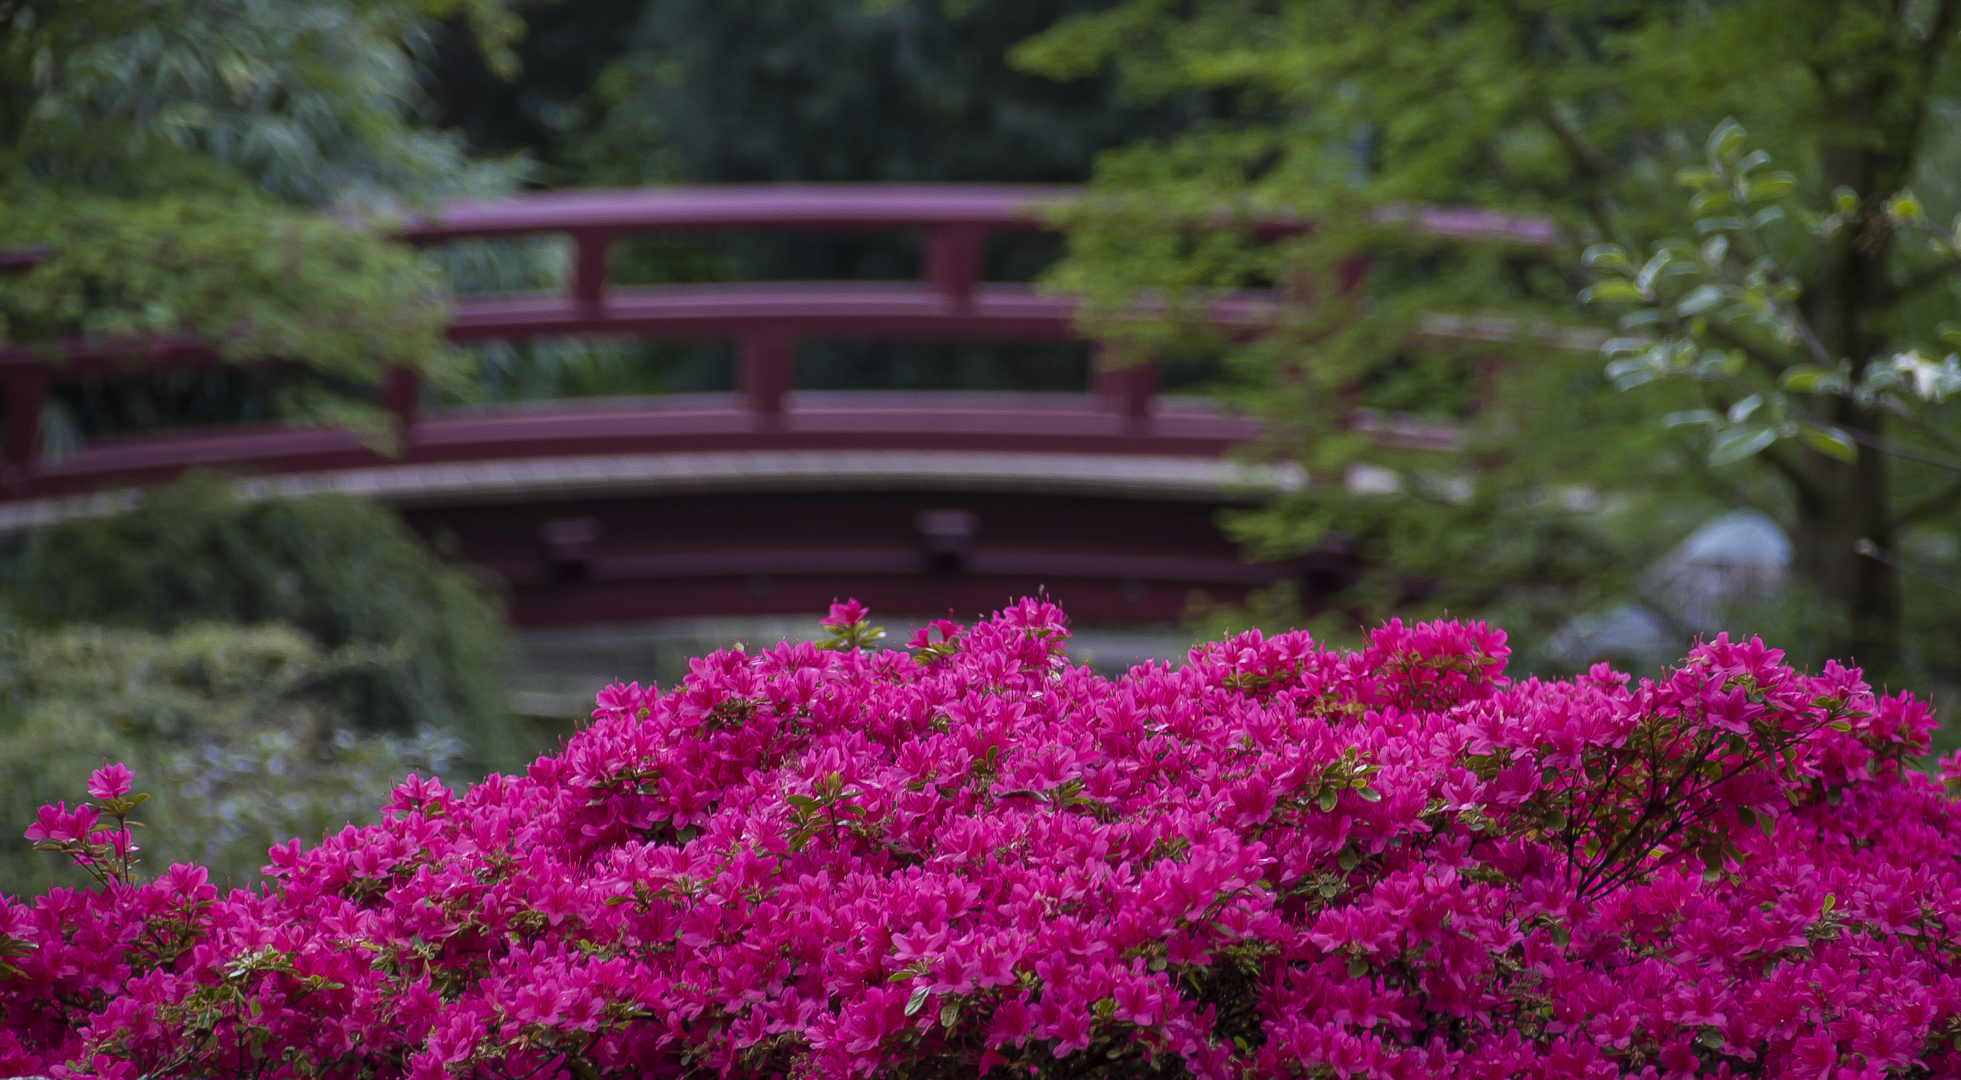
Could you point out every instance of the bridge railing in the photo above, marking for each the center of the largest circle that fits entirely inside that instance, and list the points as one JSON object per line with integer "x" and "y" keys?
{"x": 951, "y": 300}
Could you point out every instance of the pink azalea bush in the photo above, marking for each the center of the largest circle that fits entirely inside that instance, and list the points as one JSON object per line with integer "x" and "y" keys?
{"x": 972, "y": 857}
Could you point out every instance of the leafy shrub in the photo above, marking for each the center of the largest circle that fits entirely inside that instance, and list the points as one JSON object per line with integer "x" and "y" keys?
{"x": 1276, "y": 860}
{"x": 345, "y": 572}
{"x": 226, "y": 717}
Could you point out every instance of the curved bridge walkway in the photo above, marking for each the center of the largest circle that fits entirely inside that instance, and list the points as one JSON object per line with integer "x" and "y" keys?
{"x": 768, "y": 499}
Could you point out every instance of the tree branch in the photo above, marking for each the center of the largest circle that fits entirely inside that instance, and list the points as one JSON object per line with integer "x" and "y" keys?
{"x": 1933, "y": 275}
{"x": 1938, "y": 30}
{"x": 1590, "y": 165}
{"x": 1898, "y": 410}
{"x": 1928, "y": 506}
{"x": 1880, "y": 555}
{"x": 1901, "y": 450}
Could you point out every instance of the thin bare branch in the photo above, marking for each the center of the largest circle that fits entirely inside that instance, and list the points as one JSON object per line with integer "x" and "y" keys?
{"x": 1942, "y": 500}
{"x": 1901, "y": 450}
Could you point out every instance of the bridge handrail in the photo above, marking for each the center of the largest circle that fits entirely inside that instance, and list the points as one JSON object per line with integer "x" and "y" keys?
{"x": 873, "y": 207}
{"x": 852, "y": 207}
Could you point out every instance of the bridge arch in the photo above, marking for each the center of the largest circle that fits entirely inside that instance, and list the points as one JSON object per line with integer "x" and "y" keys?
{"x": 767, "y": 499}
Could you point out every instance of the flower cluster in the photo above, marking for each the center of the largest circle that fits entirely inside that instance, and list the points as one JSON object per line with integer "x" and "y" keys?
{"x": 1275, "y": 860}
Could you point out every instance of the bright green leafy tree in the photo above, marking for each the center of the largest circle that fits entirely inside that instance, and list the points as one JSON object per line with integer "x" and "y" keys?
{"x": 1350, "y": 112}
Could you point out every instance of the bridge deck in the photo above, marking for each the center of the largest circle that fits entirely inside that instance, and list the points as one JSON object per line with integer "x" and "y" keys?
{"x": 809, "y": 421}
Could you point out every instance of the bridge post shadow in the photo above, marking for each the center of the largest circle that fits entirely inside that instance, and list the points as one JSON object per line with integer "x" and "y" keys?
{"x": 23, "y": 393}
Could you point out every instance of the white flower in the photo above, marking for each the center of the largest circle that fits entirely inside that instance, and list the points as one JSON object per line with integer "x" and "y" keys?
{"x": 1931, "y": 381}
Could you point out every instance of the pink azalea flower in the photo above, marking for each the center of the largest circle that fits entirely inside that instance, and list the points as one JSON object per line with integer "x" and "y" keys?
{"x": 110, "y": 782}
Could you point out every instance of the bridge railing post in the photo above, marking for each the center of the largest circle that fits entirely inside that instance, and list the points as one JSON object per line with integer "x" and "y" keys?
{"x": 765, "y": 368}
{"x": 589, "y": 251}
{"x": 953, "y": 260}
{"x": 1126, "y": 386}
{"x": 25, "y": 393}
{"x": 400, "y": 393}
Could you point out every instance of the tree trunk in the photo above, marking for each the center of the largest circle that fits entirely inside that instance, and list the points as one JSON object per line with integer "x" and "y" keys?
{"x": 1845, "y": 503}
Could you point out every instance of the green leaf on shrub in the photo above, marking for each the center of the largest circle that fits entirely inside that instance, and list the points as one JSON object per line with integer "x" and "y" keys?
{"x": 1605, "y": 257}
{"x": 1829, "y": 441}
{"x": 1808, "y": 378}
{"x": 1700, "y": 300}
{"x": 1738, "y": 443}
{"x": 1612, "y": 290}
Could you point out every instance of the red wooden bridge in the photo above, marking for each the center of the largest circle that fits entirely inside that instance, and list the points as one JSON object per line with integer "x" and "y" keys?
{"x": 770, "y": 498}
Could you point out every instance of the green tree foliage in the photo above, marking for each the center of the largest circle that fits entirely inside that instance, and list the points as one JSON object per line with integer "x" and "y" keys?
{"x": 704, "y": 91}
{"x": 171, "y": 160}
{"x": 230, "y": 721}
{"x": 308, "y": 101}
{"x": 1581, "y": 110}
{"x": 346, "y": 573}
{"x": 253, "y": 279}
{"x": 543, "y": 111}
